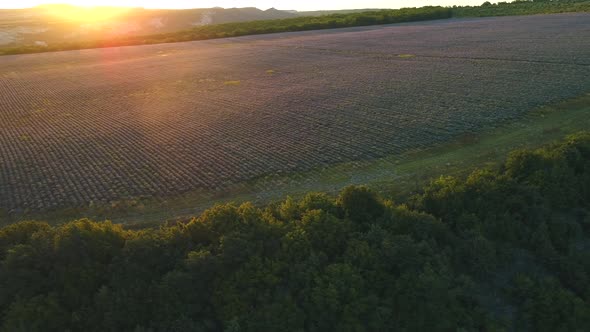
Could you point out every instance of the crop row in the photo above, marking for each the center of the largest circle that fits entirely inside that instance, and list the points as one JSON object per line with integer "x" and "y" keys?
{"x": 112, "y": 124}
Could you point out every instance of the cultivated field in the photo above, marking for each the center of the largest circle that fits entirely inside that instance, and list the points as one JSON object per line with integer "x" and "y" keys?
{"x": 94, "y": 126}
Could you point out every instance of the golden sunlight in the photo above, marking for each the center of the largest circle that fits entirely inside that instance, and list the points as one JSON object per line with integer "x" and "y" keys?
{"x": 85, "y": 13}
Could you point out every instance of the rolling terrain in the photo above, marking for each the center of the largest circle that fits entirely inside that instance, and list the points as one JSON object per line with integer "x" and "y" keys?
{"x": 424, "y": 176}
{"x": 54, "y": 28}
{"x": 54, "y": 24}
{"x": 97, "y": 126}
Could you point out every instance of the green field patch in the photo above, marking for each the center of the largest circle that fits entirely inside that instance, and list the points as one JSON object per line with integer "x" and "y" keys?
{"x": 232, "y": 83}
{"x": 405, "y": 56}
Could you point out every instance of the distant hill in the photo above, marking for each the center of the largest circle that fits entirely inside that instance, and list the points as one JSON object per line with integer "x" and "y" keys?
{"x": 331, "y": 12}
{"x": 64, "y": 27}
{"x": 50, "y": 24}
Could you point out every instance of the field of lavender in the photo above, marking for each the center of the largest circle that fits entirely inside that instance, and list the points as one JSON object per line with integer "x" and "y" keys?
{"x": 95, "y": 126}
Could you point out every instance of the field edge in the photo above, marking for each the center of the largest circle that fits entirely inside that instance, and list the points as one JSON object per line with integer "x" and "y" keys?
{"x": 395, "y": 176}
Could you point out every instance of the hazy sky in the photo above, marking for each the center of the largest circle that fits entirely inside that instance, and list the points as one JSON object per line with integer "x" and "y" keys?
{"x": 262, "y": 4}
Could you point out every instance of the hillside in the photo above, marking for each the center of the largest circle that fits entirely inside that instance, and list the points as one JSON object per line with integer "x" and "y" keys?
{"x": 502, "y": 250}
{"x": 57, "y": 24}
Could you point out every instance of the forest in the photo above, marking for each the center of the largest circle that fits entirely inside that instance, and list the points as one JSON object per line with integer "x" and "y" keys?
{"x": 305, "y": 23}
{"x": 504, "y": 249}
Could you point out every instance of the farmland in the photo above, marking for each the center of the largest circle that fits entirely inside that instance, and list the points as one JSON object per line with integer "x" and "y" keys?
{"x": 91, "y": 127}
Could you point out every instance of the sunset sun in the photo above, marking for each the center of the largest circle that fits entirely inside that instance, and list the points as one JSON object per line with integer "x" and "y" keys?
{"x": 83, "y": 11}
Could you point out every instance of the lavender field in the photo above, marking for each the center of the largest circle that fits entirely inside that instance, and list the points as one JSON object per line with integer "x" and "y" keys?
{"x": 158, "y": 121}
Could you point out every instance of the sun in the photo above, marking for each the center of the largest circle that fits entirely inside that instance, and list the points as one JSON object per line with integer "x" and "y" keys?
{"x": 82, "y": 11}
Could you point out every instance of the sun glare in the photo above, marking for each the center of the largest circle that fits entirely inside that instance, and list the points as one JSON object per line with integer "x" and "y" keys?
{"x": 84, "y": 13}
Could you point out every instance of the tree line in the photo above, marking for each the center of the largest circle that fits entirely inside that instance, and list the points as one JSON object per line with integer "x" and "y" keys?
{"x": 504, "y": 249}
{"x": 522, "y": 7}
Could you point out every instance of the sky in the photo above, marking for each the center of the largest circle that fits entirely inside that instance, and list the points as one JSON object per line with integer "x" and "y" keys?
{"x": 262, "y": 4}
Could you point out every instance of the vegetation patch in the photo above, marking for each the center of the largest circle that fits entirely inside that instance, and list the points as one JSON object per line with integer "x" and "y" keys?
{"x": 499, "y": 250}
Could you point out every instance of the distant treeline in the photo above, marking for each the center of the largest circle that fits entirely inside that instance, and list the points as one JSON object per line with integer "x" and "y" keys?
{"x": 521, "y": 7}
{"x": 319, "y": 22}
{"x": 502, "y": 250}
